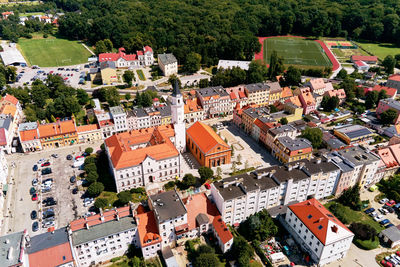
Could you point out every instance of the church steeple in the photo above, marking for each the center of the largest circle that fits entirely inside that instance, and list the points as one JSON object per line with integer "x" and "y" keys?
{"x": 178, "y": 118}
{"x": 176, "y": 92}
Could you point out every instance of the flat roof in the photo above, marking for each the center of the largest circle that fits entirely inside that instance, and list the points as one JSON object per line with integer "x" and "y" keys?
{"x": 168, "y": 205}
{"x": 10, "y": 248}
{"x": 11, "y": 56}
{"x": 228, "y": 64}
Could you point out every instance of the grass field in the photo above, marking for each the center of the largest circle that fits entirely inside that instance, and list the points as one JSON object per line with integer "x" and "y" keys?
{"x": 296, "y": 51}
{"x": 380, "y": 50}
{"x": 52, "y": 52}
{"x": 141, "y": 75}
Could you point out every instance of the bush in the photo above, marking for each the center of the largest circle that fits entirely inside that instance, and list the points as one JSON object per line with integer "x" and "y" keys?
{"x": 139, "y": 190}
{"x": 45, "y": 35}
{"x": 367, "y": 244}
{"x": 101, "y": 203}
{"x": 124, "y": 197}
{"x": 170, "y": 185}
{"x": 92, "y": 176}
{"x": 205, "y": 173}
{"x": 95, "y": 189}
{"x": 90, "y": 159}
{"x": 363, "y": 231}
{"x": 91, "y": 167}
{"x": 89, "y": 150}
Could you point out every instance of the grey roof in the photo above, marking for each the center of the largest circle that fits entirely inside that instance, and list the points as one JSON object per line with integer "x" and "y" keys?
{"x": 11, "y": 56}
{"x": 300, "y": 125}
{"x": 344, "y": 167}
{"x": 167, "y": 58}
{"x": 201, "y": 218}
{"x": 10, "y": 244}
{"x": 257, "y": 112}
{"x": 282, "y": 129}
{"x": 318, "y": 165}
{"x": 335, "y": 143}
{"x": 274, "y": 87}
{"x": 165, "y": 111}
{"x": 282, "y": 174}
{"x": 168, "y": 205}
{"x": 48, "y": 240}
{"x": 108, "y": 64}
{"x": 392, "y": 233}
{"x": 137, "y": 112}
{"x": 256, "y": 87}
{"x": 212, "y": 91}
{"x": 354, "y": 131}
{"x": 117, "y": 110}
{"x": 294, "y": 144}
{"x": 102, "y": 230}
{"x": 176, "y": 91}
{"x": 358, "y": 155}
{"x": 5, "y": 122}
{"x": 27, "y": 126}
{"x": 169, "y": 257}
{"x": 392, "y": 103}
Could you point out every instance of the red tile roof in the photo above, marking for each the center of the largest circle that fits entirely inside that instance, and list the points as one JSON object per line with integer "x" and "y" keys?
{"x": 395, "y": 77}
{"x": 316, "y": 218}
{"x": 242, "y": 94}
{"x": 87, "y": 128}
{"x": 197, "y": 204}
{"x": 159, "y": 146}
{"x": 96, "y": 219}
{"x": 286, "y": 92}
{"x": 28, "y": 135}
{"x": 10, "y": 98}
{"x": 147, "y": 229}
{"x": 106, "y": 123}
{"x": 57, "y": 128}
{"x": 147, "y": 49}
{"x": 51, "y": 257}
{"x": 205, "y": 137}
{"x": 222, "y": 230}
{"x": 232, "y": 95}
{"x": 387, "y": 157}
{"x": 115, "y": 56}
{"x": 389, "y": 91}
{"x": 3, "y": 139}
{"x": 364, "y": 58}
{"x": 360, "y": 63}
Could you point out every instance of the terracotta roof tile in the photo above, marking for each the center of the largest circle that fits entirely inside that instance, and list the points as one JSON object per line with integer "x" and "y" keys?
{"x": 222, "y": 230}
{"x": 9, "y": 109}
{"x": 147, "y": 229}
{"x": 3, "y": 139}
{"x": 286, "y": 92}
{"x": 10, "y": 98}
{"x": 28, "y": 135}
{"x": 54, "y": 256}
{"x": 197, "y": 204}
{"x": 57, "y": 128}
{"x": 87, "y": 128}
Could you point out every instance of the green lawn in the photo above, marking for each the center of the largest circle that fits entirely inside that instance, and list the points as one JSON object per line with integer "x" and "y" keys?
{"x": 141, "y": 75}
{"x": 30, "y": 14}
{"x": 52, "y": 52}
{"x": 296, "y": 51}
{"x": 381, "y": 50}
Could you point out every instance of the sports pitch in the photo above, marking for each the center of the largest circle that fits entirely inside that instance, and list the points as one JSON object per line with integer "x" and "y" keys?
{"x": 296, "y": 51}
{"x": 53, "y": 52}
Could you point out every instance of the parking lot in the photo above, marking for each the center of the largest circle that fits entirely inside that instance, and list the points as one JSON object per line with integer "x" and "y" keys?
{"x": 60, "y": 202}
{"x": 393, "y": 217}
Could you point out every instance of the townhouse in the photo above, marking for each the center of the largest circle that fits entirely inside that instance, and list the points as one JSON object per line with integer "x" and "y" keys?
{"x": 240, "y": 196}
{"x": 339, "y": 93}
{"x": 89, "y": 133}
{"x": 286, "y": 94}
{"x": 318, "y": 232}
{"x": 249, "y": 115}
{"x": 319, "y": 87}
{"x": 237, "y": 96}
{"x": 142, "y": 58}
{"x": 307, "y": 100}
{"x": 118, "y": 116}
{"x": 261, "y": 127}
{"x": 215, "y": 101}
{"x": 168, "y": 64}
{"x": 193, "y": 111}
{"x": 275, "y": 92}
{"x": 347, "y": 177}
{"x": 286, "y": 149}
{"x": 10, "y": 116}
{"x": 257, "y": 93}
{"x": 29, "y": 137}
{"x": 280, "y": 131}
{"x": 137, "y": 118}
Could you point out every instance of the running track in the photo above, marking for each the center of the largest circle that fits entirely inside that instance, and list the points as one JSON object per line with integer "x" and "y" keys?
{"x": 335, "y": 63}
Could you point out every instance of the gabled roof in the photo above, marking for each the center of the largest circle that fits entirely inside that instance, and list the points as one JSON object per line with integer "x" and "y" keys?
{"x": 395, "y": 77}
{"x": 115, "y": 56}
{"x": 387, "y": 157}
{"x": 10, "y": 98}
{"x": 56, "y": 128}
{"x": 28, "y": 135}
{"x": 205, "y": 137}
{"x": 389, "y": 91}
{"x": 222, "y": 230}
{"x": 87, "y": 128}
{"x": 147, "y": 229}
{"x": 317, "y": 83}
{"x": 3, "y": 138}
{"x": 326, "y": 227}
{"x": 286, "y": 92}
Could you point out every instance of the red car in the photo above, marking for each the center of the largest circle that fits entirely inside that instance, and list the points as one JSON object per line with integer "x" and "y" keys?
{"x": 45, "y": 164}
{"x": 207, "y": 185}
{"x": 386, "y": 263}
{"x": 390, "y": 203}
{"x": 34, "y": 197}
{"x": 51, "y": 72}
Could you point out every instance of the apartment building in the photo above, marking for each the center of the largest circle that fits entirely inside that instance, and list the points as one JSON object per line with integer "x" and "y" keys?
{"x": 168, "y": 64}
{"x": 286, "y": 149}
{"x": 275, "y": 92}
{"x": 148, "y": 235}
{"x": 238, "y": 96}
{"x": 101, "y": 237}
{"x": 318, "y": 232}
{"x": 257, "y": 93}
{"x": 386, "y": 104}
{"x": 318, "y": 86}
{"x": 346, "y": 179}
{"x": 138, "y": 118}
{"x": 280, "y": 131}
{"x": 240, "y": 196}
{"x": 118, "y": 115}
{"x": 193, "y": 111}
{"x": 215, "y": 101}
{"x": 89, "y": 133}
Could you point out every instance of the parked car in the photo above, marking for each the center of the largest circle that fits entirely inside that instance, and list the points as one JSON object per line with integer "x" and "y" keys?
{"x": 378, "y": 218}
{"x": 69, "y": 157}
{"x": 386, "y": 263}
{"x": 373, "y": 214}
{"x": 32, "y": 191}
{"x": 48, "y": 180}
{"x": 46, "y": 171}
{"x": 383, "y": 211}
{"x": 48, "y": 214}
{"x": 367, "y": 211}
{"x": 88, "y": 202}
{"x": 75, "y": 191}
{"x": 35, "y": 182}
{"x": 35, "y": 226}
{"x": 389, "y": 209}
{"x": 72, "y": 179}
{"x": 385, "y": 221}
{"x": 45, "y": 164}
{"x": 397, "y": 206}
{"x": 46, "y": 189}
{"x": 33, "y": 215}
{"x": 34, "y": 197}
{"x": 35, "y": 168}
{"x": 383, "y": 200}
{"x": 389, "y": 225}
{"x": 390, "y": 203}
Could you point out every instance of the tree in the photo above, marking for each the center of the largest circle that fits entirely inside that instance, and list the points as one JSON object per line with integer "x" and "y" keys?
{"x": 329, "y": 103}
{"x": 259, "y": 226}
{"x": 206, "y": 260}
{"x": 387, "y": 117}
{"x": 205, "y": 173}
{"x": 128, "y": 96}
{"x": 292, "y": 76}
{"x": 95, "y": 189}
{"x": 272, "y": 109}
{"x": 128, "y": 76}
{"x": 92, "y": 176}
{"x": 101, "y": 203}
{"x": 82, "y": 96}
{"x": 371, "y": 99}
{"x": 90, "y": 167}
{"x": 89, "y": 150}
{"x": 90, "y": 159}
{"x": 389, "y": 63}
{"x": 351, "y": 197}
{"x": 363, "y": 231}
{"x": 283, "y": 121}
{"x": 382, "y": 95}
{"x": 349, "y": 86}
{"x": 257, "y": 72}
{"x": 314, "y": 135}
{"x": 276, "y": 66}
{"x": 342, "y": 74}
{"x": 124, "y": 197}
{"x": 203, "y": 83}
{"x": 103, "y": 46}
{"x": 189, "y": 180}
{"x": 173, "y": 78}
{"x": 192, "y": 62}
{"x": 241, "y": 251}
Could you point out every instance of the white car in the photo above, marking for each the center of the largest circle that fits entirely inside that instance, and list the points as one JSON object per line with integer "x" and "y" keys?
{"x": 383, "y": 211}
{"x": 383, "y": 201}
{"x": 378, "y": 218}
{"x": 373, "y": 214}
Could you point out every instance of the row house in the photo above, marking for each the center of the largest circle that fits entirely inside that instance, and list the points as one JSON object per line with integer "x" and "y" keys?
{"x": 257, "y": 93}
{"x": 307, "y": 100}
{"x": 138, "y": 119}
{"x": 386, "y": 104}
{"x": 339, "y": 93}
{"x": 275, "y": 92}
{"x": 238, "y": 96}
{"x": 240, "y": 196}
{"x": 10, "y": 116}
{"x": 320, "y": 234}
{"x": 347, "y": 177}
{"x": 215, "y": 101}
{"x": 141, "y": 59}
{"x": 286, "y": 94}
{"x": 118, "y": 116}
{"x": 286, "y": 149}
{"x": 89, "y": 133}
{"x": 390, "y": 157}
{"x": 249, "y": 115}
{"x": 319, "y": 87}
{"x": 193, "y": 111}
{"x": 279, "y": 131}
{"x": 394, "y": 82}
{"x": 261, "y": 127}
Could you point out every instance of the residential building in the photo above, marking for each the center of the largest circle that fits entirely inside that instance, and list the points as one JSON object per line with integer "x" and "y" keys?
{"x": 108, "y": 72}
{"x": 260, "y": 129}
{"x": 122, "y": 60}
{"x": 394, "y": 82}
{"x": 206, "y": 146}
{"x": 214, "y": 100}
{"x": 238, "y": 96}
{"x": 193, "y": 111}
{"x": 250, "y": 114}
{"x": 229, "y": 64}
{"x": 318, "y": 100}
{"x": 28, "y": 134}
{"x": 118, "y": 115}
{"x": 319, "y": 87}
{"x": 366, "y": 59}
{"x": 98, "y": 238}
{"x": 389, "y": 103}
{"x": 280, "y": 131}
{"x": 257, "y": 93}
{"x": 354, "y": 134}
{"x": 10, "y": 117}
{"x": 147, "y": 234}
{"x": 286, "y": 94}
{"x": 50, "y": 249}
{"x": 240, "y": 196}
{"x": 275, "y": 92}
{"x": 390, "y": 92}
{"x": 347, "y": 178}
{"x": 165, "y": 114}
{"x": 168, "y": 64}
{"x": 89, "y": 133}
{"x": 318, "y": 232}
{"x": 307, "y": 101}
{"x": 6, "y": 133}
{"x": 138, "y": 118}
{"x": 139, "y": 157}
{"x": 107, "y": 127}
{"x": 12, "y": 250}
{"x": 58, "y": 134}
{"x": 339, "y": 93}
{"x": 286, "y": 149}
{"x": 391, "y": 165}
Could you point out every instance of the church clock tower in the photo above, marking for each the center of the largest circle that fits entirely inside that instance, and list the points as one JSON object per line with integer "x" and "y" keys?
{"x": 177, "y": 117}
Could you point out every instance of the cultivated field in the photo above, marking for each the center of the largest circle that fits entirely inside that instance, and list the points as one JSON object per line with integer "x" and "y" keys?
{"x": 52, "y": 52}
{"x": 296, "y": 51}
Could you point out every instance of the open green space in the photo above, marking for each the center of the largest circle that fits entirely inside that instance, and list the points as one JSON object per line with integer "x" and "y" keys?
{"x": 30, "y": 14}
{"x": 381, "y": 50}
{"x": 52, "y": 52}
{"x": 296, "y": 51}
{"x": 141, "y": 75}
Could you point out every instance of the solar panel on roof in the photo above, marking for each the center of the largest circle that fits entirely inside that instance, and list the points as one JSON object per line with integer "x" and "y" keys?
{"x": 358, "y": 133}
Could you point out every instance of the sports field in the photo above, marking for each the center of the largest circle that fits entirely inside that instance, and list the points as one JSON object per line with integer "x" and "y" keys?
{"x": 52, "y": 52}
{"x": 381, "y": 50}
{"x": 296, "y": 51}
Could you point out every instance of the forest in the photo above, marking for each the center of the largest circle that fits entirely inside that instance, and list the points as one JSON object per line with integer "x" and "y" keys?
{"x": 222, "y": 29}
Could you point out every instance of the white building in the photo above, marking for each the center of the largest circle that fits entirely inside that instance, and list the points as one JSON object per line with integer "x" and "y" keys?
{"x": 3, "y": 168}
{"x": 122, "y": 60}
{"x": 178, "y": 118}
{"x": 119, "y": 117}
{"x": 168, "y": 64}
{"x": 240, "y": 196}
{"x": 28, "y": 134}
{"x": 318, "y": 232}
{"x": 229, "y": 64}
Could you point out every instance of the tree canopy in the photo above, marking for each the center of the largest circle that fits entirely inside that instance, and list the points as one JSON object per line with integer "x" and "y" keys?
{"x": 314, "y": 135}
{"x": 387, "y": 117}
{"x": 259, "y": 226}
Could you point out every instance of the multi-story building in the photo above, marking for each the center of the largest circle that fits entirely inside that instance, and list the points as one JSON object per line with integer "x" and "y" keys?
{"x": 148, "y": 235}
{"x": 206, "y": 146}
{"x": 101, "y": 237}
{"x": 318, "y": 86}
{"x": 193, "y": 111}
{"x": 168, "y": 64}
{"x": 118, "y": 116}
{"x": 318, "y": 232}
{"x": 108, "y": 72}
{"x": 261, "y": 127}
{"x": 286, "y": 94}
{"x": 3, "y": 168}
{"x": 249, "y": 115}
{"x": 13, "y": 249}
{"x": 347, "y": 173}
{"x": 257, "y": 93}
{"x": 390, "y": 157}
{"x": 58, "y": 134}
{"x": 138, "y": 119}
{"x": 122, "y": 60}
{"x": 214, "y": 100}
{"x": 307, "y": 100}
{"x": 354, "y": 134}
{"x": 275, "y": 92}
{"x": 29, "y": 137}
{"x": 280, "y": 131}
{"x": 386, "y": 104}
{"x": 394, "y": 82}
{"x": 89, "y": 133}
{"x": 339, "y": 93}
{"x": 286, "y": 149}
{"x": 6, "y": 133}
{"x": 238, "y": 96}
{"x": 240, "y": 196}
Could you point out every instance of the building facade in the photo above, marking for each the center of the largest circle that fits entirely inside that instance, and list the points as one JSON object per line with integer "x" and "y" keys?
{"x": 168, "y": 64}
